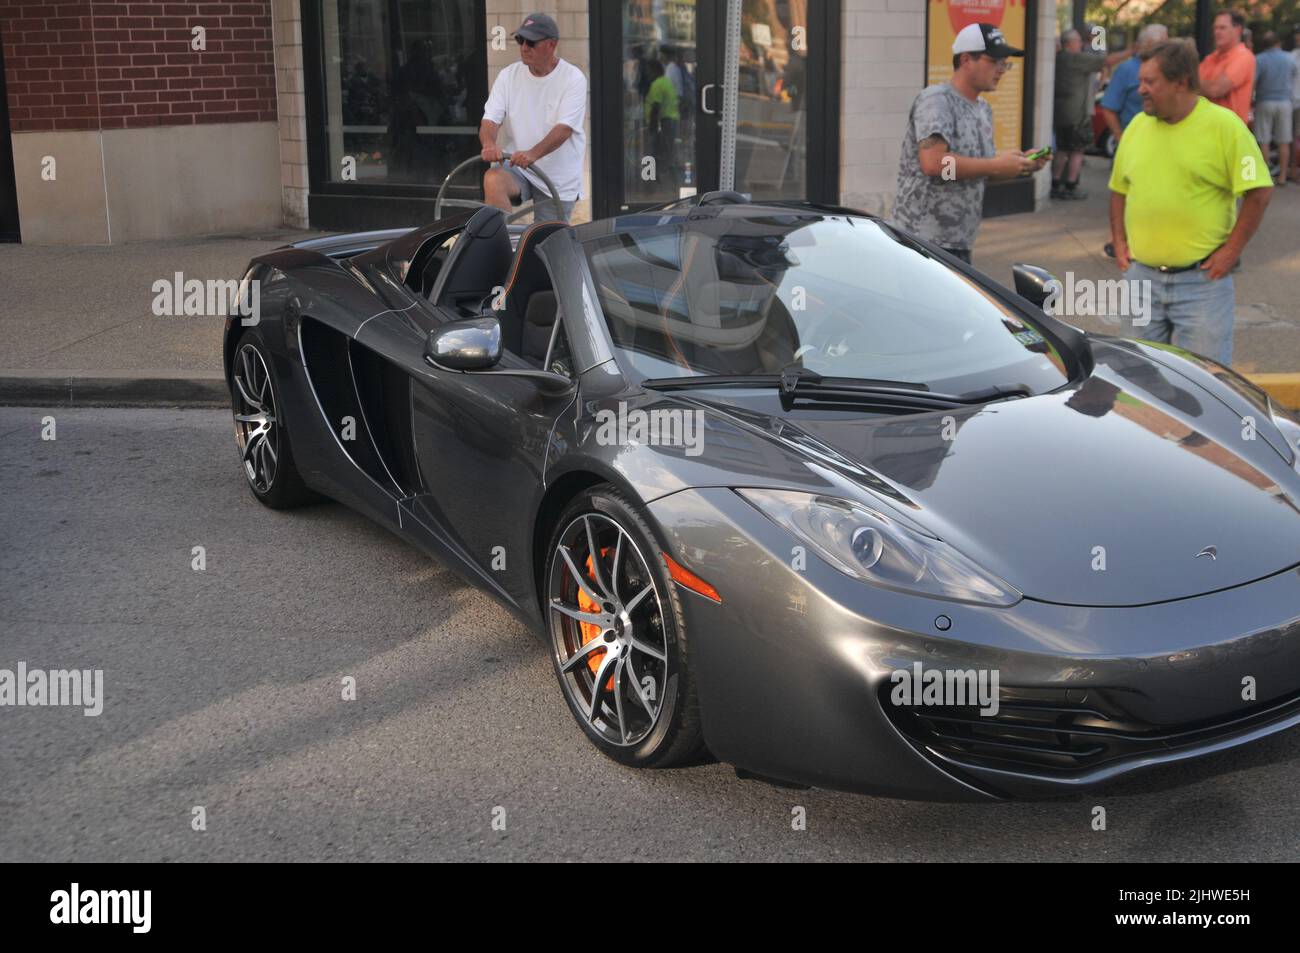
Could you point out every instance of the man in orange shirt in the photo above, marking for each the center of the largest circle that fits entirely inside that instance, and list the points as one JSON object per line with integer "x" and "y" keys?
{"x": 1228, "y": 74}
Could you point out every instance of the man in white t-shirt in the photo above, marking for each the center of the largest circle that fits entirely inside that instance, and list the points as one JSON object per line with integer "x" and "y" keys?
{"x": 542, "y": 100}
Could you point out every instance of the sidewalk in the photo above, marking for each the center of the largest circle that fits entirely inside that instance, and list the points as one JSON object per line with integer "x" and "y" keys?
{"x": 77, "y": 323}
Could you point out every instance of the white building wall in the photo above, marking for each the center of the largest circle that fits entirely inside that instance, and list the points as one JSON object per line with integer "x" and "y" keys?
{"x": 291, "y": 111}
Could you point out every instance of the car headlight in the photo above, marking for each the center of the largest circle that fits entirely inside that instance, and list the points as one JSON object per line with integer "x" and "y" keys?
{"x": 868, "y": 545}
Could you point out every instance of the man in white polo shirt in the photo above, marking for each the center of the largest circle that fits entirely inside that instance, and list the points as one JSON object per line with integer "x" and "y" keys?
{"x": 543, "y": 100}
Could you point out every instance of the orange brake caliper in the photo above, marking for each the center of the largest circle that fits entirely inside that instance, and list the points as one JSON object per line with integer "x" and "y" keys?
{"x": 589, "y": 629}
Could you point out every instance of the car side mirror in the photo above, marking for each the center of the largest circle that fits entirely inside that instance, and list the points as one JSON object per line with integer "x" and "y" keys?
{"x": 470, "y": 345}
{"x": 474, "y": 346}
{"x": 1034, "y": 284}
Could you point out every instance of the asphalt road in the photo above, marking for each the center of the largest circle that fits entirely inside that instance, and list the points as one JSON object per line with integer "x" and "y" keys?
{"x": 222, "y": 690}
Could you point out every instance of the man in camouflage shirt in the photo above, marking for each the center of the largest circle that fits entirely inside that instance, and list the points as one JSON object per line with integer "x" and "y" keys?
{"x": 948, "y": 148}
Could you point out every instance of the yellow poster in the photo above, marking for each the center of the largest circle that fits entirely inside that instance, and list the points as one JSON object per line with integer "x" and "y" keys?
{"x": 947, "y": 17}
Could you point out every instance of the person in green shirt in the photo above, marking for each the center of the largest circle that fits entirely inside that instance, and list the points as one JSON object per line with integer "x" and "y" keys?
{"x": 1180, "y": 168}
{"x": 661, "y": 116}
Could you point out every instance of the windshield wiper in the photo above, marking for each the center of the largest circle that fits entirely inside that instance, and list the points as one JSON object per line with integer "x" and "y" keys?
{"x": 796, "y": 381}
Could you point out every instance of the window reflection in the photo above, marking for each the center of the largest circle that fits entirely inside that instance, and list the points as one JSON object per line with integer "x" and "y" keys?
{"x": 659, "y": 98}
{"x": 772, "y": 130}
{"x": 405, "y": 84}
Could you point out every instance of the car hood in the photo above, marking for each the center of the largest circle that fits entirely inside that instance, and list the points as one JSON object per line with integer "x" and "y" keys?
{"x": 1135, "y": 486}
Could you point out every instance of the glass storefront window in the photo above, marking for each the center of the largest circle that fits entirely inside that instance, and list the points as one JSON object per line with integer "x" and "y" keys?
{"x": 405, "y": 84}
{"x": 772, "y": 128}
{"x": 659, "y": 98}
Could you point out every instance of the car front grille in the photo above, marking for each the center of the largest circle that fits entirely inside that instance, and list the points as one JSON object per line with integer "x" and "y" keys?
{"x": 1059, "y": 732}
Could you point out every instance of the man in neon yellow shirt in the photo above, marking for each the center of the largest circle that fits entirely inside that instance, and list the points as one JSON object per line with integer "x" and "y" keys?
{"x": 1179, "y": 170}
{"x": 661, "y": 116}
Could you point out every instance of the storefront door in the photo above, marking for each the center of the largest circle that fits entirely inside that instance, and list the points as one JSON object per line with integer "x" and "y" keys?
{"x": 657, "y": 101}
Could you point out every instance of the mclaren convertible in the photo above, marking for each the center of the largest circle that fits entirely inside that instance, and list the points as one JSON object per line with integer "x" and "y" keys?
{"x": 744, "y": 467}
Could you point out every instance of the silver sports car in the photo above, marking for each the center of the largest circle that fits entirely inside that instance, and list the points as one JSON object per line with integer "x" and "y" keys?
{"x": 780, "y": 483}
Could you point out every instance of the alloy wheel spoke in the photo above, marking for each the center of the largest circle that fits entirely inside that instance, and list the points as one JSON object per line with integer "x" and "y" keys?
{"x": 637, "y": 688}
{"x": 245, "y": 395}
{"x": 595, "y": 560}
{"x": 636, "y": 600}
{"x": 598, "y": 687}
{"x": 613, "y": 573}
{"x": 580, "y": 657}
{"x": 575, "y": 613}
{"x": 618, "y": 700}
{"x": 645, "y": 647}
{"x": 579, "y": 577}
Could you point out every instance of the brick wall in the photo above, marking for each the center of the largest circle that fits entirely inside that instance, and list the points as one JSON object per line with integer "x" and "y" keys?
{"x": 120, "y": 64}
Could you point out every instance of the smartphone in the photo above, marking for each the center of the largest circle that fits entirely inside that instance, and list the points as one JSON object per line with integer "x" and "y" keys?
{"x": 1042, "y": 153}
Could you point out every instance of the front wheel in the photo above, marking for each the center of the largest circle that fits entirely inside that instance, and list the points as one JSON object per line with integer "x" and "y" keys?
{"x": 617, "y": 635}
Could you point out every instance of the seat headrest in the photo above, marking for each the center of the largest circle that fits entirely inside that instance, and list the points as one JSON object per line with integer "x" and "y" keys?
{"x": 542, "y": 309}
{"x": 486, "y": 222}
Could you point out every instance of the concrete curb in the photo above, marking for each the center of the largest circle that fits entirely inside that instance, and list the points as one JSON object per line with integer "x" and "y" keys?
{"x": 200, "y": 389}
{"x": 113, "y": 389}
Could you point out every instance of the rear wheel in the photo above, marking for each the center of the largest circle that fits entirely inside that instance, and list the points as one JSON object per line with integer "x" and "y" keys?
{"x": 260, "y": 433}
{"x": 617, "y": 636}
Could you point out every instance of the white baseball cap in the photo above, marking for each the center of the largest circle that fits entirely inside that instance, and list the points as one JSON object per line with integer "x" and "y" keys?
{"x": 983, "y": 38}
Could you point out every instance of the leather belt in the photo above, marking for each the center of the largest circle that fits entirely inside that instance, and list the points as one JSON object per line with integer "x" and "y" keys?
{"x": 1173, "y": 269}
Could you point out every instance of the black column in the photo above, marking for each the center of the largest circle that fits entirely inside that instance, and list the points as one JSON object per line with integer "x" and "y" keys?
{"x": 1204, "y": 26}
{"x": 9, "y": 231}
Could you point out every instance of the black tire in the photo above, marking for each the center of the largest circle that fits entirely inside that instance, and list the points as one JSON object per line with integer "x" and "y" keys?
{"x": 673, "y": 737}
{"x": 275, "y": 482}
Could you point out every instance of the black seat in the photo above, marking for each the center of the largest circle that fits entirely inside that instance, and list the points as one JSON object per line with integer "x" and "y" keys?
{"x": 477, "y": 263}
{"x": 539, "y": 321}
{"x": 528, "y": 275}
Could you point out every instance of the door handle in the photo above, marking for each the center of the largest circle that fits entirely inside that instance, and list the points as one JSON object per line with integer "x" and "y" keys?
{"x": 704, "y": 99}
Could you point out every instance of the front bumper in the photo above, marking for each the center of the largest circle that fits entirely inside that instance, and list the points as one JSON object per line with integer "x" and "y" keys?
{"x": 794, "y": 671}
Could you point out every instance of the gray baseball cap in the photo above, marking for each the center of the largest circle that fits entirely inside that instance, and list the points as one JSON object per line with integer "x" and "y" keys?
{"x": 538, "y": 26}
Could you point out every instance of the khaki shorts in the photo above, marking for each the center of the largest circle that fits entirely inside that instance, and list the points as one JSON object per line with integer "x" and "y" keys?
{"x": 546, "y": 208}
{"x": 1273, "y": 122}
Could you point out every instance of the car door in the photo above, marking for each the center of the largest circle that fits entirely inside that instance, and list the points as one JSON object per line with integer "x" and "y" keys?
{"x": 479, "y": 443}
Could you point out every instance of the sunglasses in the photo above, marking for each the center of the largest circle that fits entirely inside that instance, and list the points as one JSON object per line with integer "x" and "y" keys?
{"x": 1003, "y": 63}
{"x": 528, "y": 43}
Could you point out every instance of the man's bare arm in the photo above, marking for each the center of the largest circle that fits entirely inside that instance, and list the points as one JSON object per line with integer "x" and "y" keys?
{"x": 557, "y": 137}
{"x": 938, "y": 161}
{"x": 1112, "y": 123}
{"x": 1118, "y": 236}
{"x": 487, "y": 137}
{"x": 1218, "y": 87}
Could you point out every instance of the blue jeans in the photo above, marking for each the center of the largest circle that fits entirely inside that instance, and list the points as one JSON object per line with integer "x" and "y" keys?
{"x": 1187, "y": 310}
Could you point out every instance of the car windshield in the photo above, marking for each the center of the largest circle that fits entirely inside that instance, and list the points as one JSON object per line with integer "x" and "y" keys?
{"x": 839, "y": 295}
